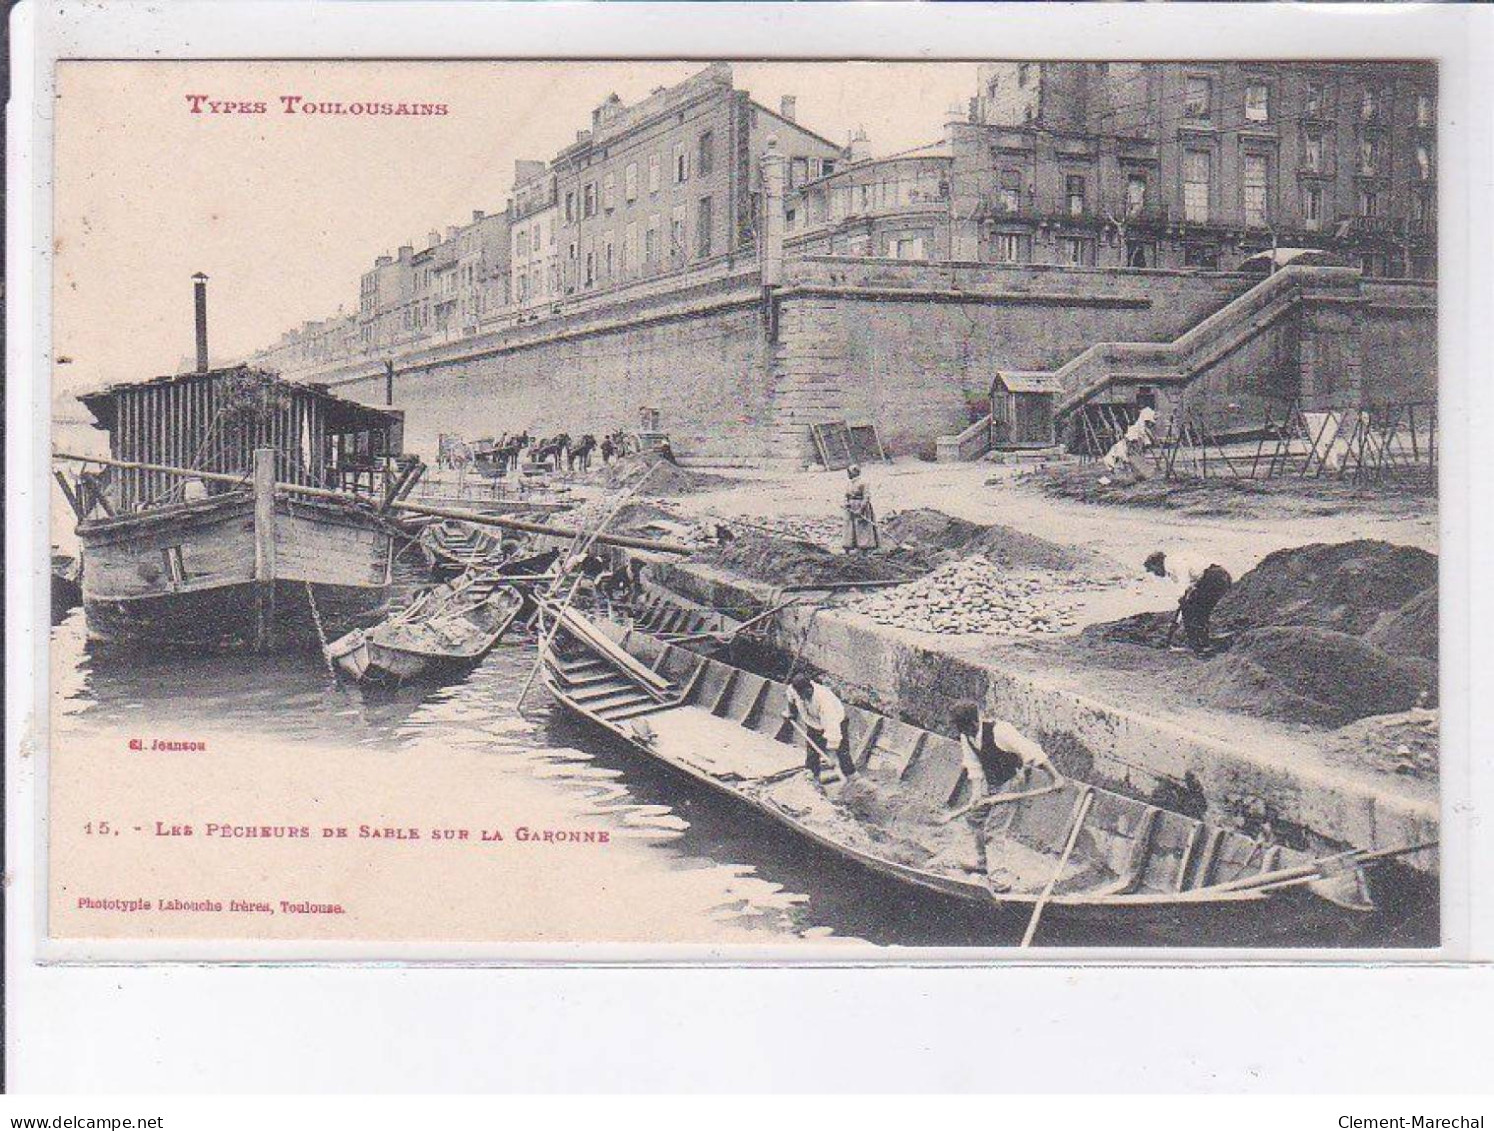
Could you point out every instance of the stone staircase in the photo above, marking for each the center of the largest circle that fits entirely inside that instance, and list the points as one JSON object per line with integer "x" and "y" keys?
{"x": 1177, "y": 363}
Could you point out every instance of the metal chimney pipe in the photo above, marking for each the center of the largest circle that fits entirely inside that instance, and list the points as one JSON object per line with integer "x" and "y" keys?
{"x": 199, "y": 288}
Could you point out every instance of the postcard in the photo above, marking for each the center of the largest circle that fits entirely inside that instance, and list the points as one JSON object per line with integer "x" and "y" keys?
{"x": 828, "y": 508}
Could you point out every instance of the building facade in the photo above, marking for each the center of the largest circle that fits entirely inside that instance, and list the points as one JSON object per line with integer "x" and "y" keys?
{"x": 671, "y": 184}
{"x": 894, "y": 208}
{"x": 1199, "y": 164}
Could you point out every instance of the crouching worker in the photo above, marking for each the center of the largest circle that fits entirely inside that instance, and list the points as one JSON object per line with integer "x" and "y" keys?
{"x": 821, "y": 720}
{"x": 994, "y": 753}
{"x": 1200, "y": 589}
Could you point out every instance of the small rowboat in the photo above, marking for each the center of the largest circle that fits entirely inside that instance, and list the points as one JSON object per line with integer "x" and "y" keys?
{"x": 452, "y": 625}
{"x": 1106, "y": 865}
{"x": 456, "y": 546}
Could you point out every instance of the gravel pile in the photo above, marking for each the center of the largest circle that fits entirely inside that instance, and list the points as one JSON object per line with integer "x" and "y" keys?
{"x": 971, "y": 596}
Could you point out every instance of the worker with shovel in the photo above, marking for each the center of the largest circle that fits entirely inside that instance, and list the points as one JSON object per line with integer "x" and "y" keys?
{"x": 994, "y": 754}
{"x": 820, "y": 717}
{"x": 861, "y": 519}
{"x": 1200, "y": 588}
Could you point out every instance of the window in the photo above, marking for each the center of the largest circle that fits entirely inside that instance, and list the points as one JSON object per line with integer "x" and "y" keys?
{"x": 591, "y": 268}
{"x": 1010, "y": 193}
{"x": 1257, "y": 102}
{"x": 1012, "y": 247}
{"x": 1424, "y": 162}
{"x": 522, "y": 243}
{"x": 908, "y": 247}
{"x": 703, "y": 221}
{"x": 653, "y": 172}
{"x": 630, "y": 249}
{"x": 1074, "y": 192}
{"x": 589, "y": 201}
{"x": 1312, "y": 208}
{"x": 1198, "y": 94}
{"x": 1076, "y": 251}
{"x": 1024, "y": 74}
{"x": 1312, "y": 153}
{"x": 798, "y": 171}
{"x": 1421, "y": 212}
{"x": 1369, "y": 156}
{"x": 1196, "y": 181}
{"x": 1254, "y": 179}
{"x": 609, "y": 191}
{"x": 677, "y": 234}
{"x": 1316, "y": 100}
{"x": 609, "y": 256}
{"x": 1369, "y": 203}
{"x": 570, "y": 207}
{"x": 681, "y": 163}
{"x": 1204, "y": 255}
{"x": 705, "y": 153}
{"x": 651, "y": 244}
{"x": 1426, "y": 111}
{"x": 1369, "y": 105}
{"x": 1141, "y": 253}
{"x": 630, "y": 181}
{"x": 1135, "y": 194}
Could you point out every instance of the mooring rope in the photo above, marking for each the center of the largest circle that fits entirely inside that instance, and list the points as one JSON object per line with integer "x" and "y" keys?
{"x": 321, "y": 633}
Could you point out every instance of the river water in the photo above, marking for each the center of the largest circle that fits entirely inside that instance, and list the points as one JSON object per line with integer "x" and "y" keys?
{"x": 717, "y": 871}
{"x": 685, "y": 864}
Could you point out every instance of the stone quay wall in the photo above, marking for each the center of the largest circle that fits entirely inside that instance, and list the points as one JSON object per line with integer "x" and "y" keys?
{"x": 738, "y": 374}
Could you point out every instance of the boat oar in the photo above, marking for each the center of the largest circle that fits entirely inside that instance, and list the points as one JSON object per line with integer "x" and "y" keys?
{"x": 731, "y": 634}
{"x": 1063, "y": 862}
{"x": 1319, "y": 869}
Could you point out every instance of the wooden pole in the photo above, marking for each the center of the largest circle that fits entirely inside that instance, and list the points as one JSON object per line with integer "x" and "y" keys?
{"x": 1063, "y": 862}
{"x": 657, "y": 545}
{"x": 264, "y": 548}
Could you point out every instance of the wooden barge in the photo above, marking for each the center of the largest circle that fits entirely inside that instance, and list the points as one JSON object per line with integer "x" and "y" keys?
{"x": 1105, "y": 865}
{"x": 237, "y": 510}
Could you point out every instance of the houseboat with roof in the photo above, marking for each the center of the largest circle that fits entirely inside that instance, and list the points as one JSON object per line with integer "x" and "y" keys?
{"x": 236, "y": 510}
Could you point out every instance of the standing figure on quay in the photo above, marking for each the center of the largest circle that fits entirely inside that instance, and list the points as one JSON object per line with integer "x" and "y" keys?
{"x": 861, "y": 519}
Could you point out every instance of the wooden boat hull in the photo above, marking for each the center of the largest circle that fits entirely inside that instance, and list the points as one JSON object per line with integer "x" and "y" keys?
{"x": 191, "y": 575}
{"x": 1140, "y": 874}
{"x": 398, "y": 651}
{"x": 66, "y": 589}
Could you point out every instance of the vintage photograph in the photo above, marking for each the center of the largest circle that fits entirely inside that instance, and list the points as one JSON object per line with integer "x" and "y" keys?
{"x": 822, "y": 507}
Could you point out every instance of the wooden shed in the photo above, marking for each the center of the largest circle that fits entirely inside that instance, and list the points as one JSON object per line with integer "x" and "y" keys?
{"x": 1022, "y": 404}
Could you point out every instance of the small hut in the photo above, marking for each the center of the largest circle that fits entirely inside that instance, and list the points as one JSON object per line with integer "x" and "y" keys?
{"x": 1022, "y": 404}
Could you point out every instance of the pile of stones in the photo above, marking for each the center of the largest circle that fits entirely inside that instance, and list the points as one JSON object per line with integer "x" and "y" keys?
{"x": 970, "y": 596}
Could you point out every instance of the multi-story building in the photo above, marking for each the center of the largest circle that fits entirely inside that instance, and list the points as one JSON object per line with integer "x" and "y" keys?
{"x": 1199, "y": 164}
{"x": 671, "y": 184}
{"x": 893, "y": 208}
{"x": 535, "y": 251}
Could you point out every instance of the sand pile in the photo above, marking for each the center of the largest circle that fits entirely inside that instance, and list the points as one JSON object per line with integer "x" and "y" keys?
{"x": 945, "y": 536}
{"x": 1345, "y": 586}
{"x": 1311, "y": 675}
{"x": 784, "y": 561}
{"x": 1410, "y": 631}
{"x": 824, "y": 531}
{"x": 1323, "y": 635}
{"x": 970, "y": 595}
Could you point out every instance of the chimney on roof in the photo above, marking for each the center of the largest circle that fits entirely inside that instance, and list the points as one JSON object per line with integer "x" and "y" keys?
{"x": 860, "y": 147}
{"x": 406, "y": 250}
{"x": 788, "y": 107}
{"x": 432, "y": 238}
{"x": 477, "y": 214}
{"x": 199, "y": 295}
{"x": 451, "y": 231}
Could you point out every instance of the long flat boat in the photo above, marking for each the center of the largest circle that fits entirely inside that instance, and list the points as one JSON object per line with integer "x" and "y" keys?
{"x": 1102, "y": 864}
{"x": 451, "y": 626}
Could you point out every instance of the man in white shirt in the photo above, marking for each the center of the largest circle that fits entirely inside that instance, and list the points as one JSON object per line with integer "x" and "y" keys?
{"x": 822, "y": 718}
{"x": 1199, "y": 588}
